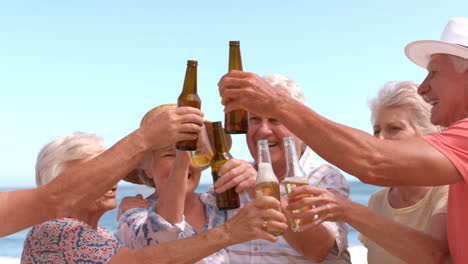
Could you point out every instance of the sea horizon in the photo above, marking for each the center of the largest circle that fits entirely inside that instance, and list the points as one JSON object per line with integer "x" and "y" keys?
{"x": 11, "y": 246}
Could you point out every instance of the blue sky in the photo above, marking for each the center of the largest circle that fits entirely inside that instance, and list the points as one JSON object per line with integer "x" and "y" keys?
{"x": 98, "y": 66}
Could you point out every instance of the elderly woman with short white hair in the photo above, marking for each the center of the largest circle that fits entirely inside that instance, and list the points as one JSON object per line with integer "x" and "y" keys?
{"x": 76, "y": 237}
{"x": 403, "y": 224}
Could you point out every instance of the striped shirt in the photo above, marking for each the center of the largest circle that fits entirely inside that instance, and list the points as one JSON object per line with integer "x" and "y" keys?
{"x": 262, "y": 251}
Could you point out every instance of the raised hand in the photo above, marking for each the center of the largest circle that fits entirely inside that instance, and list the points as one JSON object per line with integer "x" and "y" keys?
{"x": 248, "y": 91}
{"x": 328, "y": 206}
{"x": 171, "y": 126}
{"x": 252, "y": 221}
{"x": 238, "y": 174}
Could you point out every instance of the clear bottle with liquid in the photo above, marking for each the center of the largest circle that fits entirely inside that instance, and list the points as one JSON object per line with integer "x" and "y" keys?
{"x": 294, "y": 177}
{"x": 267, "y": 184}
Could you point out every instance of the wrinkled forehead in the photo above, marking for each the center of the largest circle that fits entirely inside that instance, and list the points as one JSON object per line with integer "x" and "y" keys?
{"x": 165, "y": 149}
{"x": 258, "y": 116}
{"x": 438, "y": 59}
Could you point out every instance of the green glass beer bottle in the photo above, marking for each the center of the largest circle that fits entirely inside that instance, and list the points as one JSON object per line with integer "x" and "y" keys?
{"x": 236, "y": 121}
{"x": 189, "y": 97}
{"x": 230, "y": 198}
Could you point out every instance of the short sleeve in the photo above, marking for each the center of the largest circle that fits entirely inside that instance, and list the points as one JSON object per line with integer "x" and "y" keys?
{"x": 453, "y": 143}
{"x": 439, "y": 199}
{"x": 140, "y": 227}
{"x": 330, "y": 178}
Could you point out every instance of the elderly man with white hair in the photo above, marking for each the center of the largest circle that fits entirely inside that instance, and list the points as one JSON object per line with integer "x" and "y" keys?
{"x": 437, "y": 159}
{"x": 328, "y": 242}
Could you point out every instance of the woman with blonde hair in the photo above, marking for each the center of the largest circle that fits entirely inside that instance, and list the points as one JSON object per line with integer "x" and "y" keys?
{"x": 175, "y": 210}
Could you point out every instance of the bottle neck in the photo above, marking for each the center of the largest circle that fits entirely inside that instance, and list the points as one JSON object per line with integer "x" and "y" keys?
{"x": 263, "y": 152}
{"x": 219, "y": 140}
{"x": 265, "y": 169}
{"x": 293, "y": 168}
{"x": 190, "y": 82}
{"x": 235, "y": 61}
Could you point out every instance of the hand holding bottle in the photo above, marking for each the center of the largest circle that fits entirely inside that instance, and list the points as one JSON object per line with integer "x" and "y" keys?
{"x": 171, "y": 126}
{"x": 246, "y": 90}
{"x": 249, "y": 223}
{"x": 229, "y": 199}
{"x": 238, "y": 174}
{"x": 326, "y": 205}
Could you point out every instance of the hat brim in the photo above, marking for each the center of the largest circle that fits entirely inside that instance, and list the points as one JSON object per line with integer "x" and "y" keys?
{"x": 420, "y": 52}
{"x": 138, "y": 175}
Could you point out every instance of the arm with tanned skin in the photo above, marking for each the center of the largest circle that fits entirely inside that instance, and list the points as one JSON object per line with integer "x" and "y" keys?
{"x": 314, "y": 243}
{"x": 408, "y": 244}
{"x": 373, "y": 161}
{"x": 171, "y": 202}
{"x": 245, "y": 226}
{"x": 84, "y": 183}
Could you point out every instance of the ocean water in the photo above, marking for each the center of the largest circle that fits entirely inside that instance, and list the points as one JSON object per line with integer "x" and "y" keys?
{"x": 12, "y": 246}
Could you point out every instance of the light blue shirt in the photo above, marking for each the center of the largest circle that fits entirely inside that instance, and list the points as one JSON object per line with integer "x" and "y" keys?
{"x": 141, "y": 227}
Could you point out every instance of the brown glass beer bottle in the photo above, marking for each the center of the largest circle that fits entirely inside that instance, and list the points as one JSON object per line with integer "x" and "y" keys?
{"x": 189, "y": 97}
{"x": 236, "y": 121}
{"x": 230, "y": 198}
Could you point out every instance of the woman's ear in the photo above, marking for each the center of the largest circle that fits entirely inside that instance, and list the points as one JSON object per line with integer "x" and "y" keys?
{"x": 148, "y": 173}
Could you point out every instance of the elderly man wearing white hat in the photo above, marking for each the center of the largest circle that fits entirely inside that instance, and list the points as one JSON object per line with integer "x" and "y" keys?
{"x": 437, "y": 159}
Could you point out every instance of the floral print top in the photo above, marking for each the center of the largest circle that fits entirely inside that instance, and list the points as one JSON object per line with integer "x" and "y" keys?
{"x": 142, "y": 227}
{"x": 67, "y": 240}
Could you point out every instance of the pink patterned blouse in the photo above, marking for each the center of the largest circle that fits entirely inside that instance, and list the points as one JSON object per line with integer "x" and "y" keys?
{"x": 67, "y": 240}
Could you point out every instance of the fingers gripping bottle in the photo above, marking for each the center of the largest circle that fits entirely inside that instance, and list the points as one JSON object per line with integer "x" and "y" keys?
{"x": 230, "y": 198}
{"x": 189, "y": 97}
{"x": 267, "y": 184}
{"x": 236, "y": 121}
{"x": 295, "y": 177}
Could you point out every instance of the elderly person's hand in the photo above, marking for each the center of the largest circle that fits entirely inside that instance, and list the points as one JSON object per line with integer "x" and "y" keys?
{"x": 248, "y": 91}
{"x": 129, "y": 202}
{"x": 327, "y": 205}
{"x": 252, "y": 221}
{"x": 238, "y": 174}
{"x": 171, "y": 126}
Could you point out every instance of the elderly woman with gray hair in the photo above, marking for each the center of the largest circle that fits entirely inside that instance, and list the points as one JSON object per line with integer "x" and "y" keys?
{"x": 78, "y": 239}
{"x": 403, "y": 224}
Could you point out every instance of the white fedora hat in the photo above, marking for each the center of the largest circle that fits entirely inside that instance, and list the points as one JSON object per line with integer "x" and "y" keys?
{"x": 454, "y": 41}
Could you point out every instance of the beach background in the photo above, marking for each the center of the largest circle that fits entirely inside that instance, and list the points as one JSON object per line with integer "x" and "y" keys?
{"x": 99, "y": 66}
{"x": 11, "y": 246}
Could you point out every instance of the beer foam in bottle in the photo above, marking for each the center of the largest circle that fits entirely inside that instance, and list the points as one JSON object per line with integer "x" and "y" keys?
{"x": 267, "y": 184}
{"x": 265, "y": 173}
{"x": 296, "y": 179}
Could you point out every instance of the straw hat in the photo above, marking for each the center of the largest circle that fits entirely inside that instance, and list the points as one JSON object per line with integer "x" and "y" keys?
{"x": 138, "y": 175}
{"x": 454, "y": 41}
